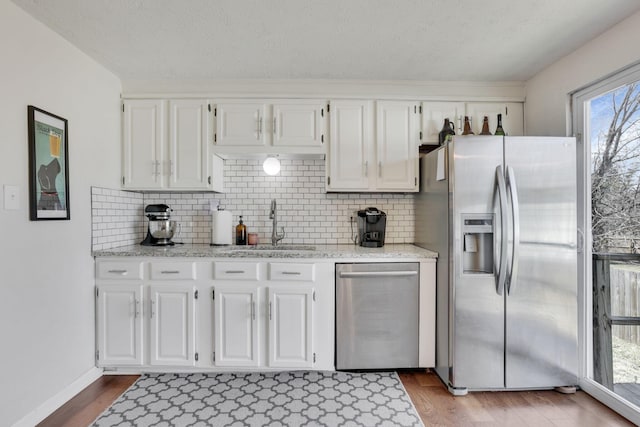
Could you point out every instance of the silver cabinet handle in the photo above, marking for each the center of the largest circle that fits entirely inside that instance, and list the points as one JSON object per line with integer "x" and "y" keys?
{"x": 170, "y": 167}
{"x": 361, "y": 274}
{"x": 234, "y": 271}
{"x": 253, "y": 310}
{"x": 379, "y": 169}
{"x": 137, "y": 308}
{"x": 274, "y": 126}
{"x": 170, "y": 272}
{"x": 292, "y": 273}
{"x": 153, "y": 303}
{"x": 121, "y": 272}
{"x": 269, "y": 310}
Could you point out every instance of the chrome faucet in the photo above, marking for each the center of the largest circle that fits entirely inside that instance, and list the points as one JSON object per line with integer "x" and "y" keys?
{"x": 275, "y": 237}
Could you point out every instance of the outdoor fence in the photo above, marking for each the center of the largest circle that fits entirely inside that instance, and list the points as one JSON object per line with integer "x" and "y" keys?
{"x": 607, "y": 270}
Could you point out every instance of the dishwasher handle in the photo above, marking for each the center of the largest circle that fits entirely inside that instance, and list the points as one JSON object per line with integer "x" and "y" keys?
{"x": 362, "y": 274}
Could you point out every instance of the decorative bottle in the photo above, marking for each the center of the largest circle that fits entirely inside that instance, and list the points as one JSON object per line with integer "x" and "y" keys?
{"x": 447, "y": 129}
{"x": 485, "y": 126}
{"x": 241, "y": 233}
{"x": 467, "y": 127}
{"x": 499, "y": 129}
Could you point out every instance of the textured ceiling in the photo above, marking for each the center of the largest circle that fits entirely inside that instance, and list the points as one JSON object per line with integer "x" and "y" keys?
{"x": 425, "y": 40}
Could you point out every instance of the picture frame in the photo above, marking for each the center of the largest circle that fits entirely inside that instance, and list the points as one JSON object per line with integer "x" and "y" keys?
{"x": 48, "y": 165}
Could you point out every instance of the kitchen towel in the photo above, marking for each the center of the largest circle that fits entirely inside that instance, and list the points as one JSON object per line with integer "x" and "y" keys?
{"x": 221, "y": 227}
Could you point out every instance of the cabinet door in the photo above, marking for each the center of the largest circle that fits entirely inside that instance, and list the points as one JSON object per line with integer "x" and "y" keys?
{"x": 172, "y": 315}
{"x": 433, "y": 115}
{"x": 143, "y": 140}
{"x": 236, "y": 325}
{"x": 512, "y": 116}
{"x": 397, "y": 140}
{"x": 190, "y": 133}
{"x": 351, "y": 156}
{"x": 119, "y": 325}
{"x": 291, "y": 326}
{"x": 240, "y": 123}
{"x": 298, "y": 123}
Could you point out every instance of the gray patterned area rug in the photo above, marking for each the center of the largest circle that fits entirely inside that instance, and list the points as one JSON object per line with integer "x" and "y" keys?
{"x": 264, "y": 399}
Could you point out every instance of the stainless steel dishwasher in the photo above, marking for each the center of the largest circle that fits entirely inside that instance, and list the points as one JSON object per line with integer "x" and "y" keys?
{"x": 377, "y": 315}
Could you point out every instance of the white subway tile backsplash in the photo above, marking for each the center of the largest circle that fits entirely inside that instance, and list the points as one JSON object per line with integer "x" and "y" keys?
{"x": 308, "y": 214}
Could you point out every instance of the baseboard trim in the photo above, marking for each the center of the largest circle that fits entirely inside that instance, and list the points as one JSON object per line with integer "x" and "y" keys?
{"x": 55, "y": 402}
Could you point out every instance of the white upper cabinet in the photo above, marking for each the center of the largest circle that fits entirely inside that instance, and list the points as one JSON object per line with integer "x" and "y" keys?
{"x": 263, "y": 126}
{"x": 166, "y": 145}
{"x": 143, "y": 143}
{"x": 434, "y": 113}
{"x": 351, "y": 145}
{"x": 240, "y": 123}
{"x": 298, "y": 123}
{"x": 397, "y": 141}
{"x": 370, "y": 152}
{"x": 190, "y": 127}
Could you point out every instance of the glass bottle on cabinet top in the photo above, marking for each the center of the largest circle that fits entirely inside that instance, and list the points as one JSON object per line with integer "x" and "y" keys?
{"x": 467, "y": 126}
{"x": 499, "y": 129}
{"x": 485, "y": 126}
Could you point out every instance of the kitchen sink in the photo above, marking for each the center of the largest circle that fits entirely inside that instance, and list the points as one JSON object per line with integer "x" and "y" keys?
{"x": 275, "y": 248}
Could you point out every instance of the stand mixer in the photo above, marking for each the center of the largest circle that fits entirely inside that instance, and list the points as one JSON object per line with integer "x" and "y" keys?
{"x": 161, "y": 228}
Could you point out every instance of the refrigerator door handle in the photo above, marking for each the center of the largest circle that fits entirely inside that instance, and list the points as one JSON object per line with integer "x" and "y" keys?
{"x": 515, "y": 212}
{"x": 502, "y": 266}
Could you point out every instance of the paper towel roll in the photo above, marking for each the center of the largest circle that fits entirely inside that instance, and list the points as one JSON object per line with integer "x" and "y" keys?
{"x": 221, "y": 228}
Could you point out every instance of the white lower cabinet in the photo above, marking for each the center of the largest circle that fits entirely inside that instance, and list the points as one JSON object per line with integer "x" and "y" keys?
{"x": 236, "y": 325}
{"x": 146, "y": 325}
{"x": 291, "y": 326}
{"x": 120, "y": 329}
{"x": 154, "y": 314}
{"x": 277, "y": 321}
{"x": 239, "y": 314}
{"x": 172, "y": 332}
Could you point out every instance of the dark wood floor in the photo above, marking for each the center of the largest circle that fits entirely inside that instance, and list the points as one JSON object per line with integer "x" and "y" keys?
{"x": 431, "y": 399}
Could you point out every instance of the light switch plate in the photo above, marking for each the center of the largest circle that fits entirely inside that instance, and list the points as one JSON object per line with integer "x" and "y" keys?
{"x": 11, "y": 197}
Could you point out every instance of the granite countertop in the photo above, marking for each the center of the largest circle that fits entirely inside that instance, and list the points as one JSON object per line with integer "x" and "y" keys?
{"x": 266, "y": 251}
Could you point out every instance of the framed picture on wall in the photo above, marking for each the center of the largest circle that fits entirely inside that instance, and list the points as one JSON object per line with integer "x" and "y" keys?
{"x": 48, "y": 166}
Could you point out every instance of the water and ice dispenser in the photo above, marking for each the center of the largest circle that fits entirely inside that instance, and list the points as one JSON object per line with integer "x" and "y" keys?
{"x": 477, "y": 244}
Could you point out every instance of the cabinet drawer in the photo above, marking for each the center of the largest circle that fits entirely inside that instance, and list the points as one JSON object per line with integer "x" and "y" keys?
{"x": 119, "y": 270}
{"x": 235, "y": 270}
{"x": 291, "y": 271}
{"x": 173, "y": 270}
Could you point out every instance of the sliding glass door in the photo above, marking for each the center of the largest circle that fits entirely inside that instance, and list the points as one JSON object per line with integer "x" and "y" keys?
{"x": 606, "y": 121}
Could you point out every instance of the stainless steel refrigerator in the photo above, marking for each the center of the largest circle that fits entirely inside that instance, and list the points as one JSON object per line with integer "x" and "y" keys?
{"x": 501, "y": 213}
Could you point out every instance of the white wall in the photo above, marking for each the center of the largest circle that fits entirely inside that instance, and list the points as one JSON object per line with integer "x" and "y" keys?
{"x": 546, "y": 93}
{"x": 46, "y": 281}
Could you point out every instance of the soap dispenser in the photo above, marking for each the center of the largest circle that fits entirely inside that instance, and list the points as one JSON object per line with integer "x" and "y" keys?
{"x": 241, "y": 233}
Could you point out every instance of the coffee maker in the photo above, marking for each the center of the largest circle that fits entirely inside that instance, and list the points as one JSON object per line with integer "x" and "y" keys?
{"x": 161, "y": 228}
{"x": 372, "y": 224}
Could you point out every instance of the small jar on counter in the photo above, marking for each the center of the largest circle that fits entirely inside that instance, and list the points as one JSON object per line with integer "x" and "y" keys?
{"x": 252, "y": 238}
